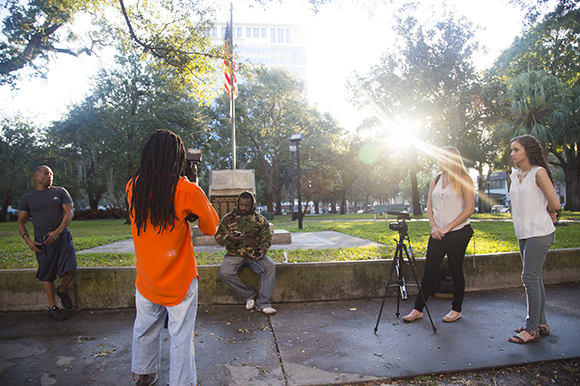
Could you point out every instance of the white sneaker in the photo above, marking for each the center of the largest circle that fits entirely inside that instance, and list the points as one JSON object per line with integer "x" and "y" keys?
{"x": 268, "y": 310}
{"x": 250, "y": 303}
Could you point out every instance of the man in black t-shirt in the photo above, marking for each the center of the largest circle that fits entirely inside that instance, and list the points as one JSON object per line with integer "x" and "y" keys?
{"x": 51, "y": 209}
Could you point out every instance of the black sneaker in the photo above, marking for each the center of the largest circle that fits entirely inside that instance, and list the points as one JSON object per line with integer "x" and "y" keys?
{"x": 64, "y": 298}
{"x": 56, "y": 314}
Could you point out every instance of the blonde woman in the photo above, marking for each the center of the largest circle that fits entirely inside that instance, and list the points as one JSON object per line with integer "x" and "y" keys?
{"x": 534, "y": 205}
{"x": 450, "y": 203}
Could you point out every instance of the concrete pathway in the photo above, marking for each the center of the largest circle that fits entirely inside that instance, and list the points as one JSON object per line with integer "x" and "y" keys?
{"x": 304, "y": 240}
{"x": 304, "y": 344}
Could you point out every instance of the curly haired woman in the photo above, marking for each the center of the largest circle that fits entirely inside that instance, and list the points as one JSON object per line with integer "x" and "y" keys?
{"x": 534, "y": 205}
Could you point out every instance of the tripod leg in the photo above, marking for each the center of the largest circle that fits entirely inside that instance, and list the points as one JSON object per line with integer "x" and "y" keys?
{"x": 381, "y": 310}
{"x": 401, "y": 279}
{"x": 393, "y": 266}
{"x": 401, "y": 291}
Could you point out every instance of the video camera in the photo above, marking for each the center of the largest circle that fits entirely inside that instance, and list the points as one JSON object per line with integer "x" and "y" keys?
{"x": 401, "y": 225}
{"x": 193, "y": 157}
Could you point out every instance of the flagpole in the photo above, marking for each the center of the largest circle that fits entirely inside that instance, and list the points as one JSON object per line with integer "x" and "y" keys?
{"x": 232, "y": 99}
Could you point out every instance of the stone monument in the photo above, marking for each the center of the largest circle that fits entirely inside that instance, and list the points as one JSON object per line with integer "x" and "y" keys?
{"x": 224, "y": 188}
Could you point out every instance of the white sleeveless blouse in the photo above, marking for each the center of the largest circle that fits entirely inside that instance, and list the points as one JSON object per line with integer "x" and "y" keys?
{"x": 447, "y": 205}
{"x": 529, "y": 213}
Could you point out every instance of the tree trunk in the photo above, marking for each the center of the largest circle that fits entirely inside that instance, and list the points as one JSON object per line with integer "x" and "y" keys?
{"x": 5, "y": 202}
{"x": 414, "y": 185}
{"x": 279, "y": 199}
{"x": 572, "y": 175}
{"x": 94, "y": 199}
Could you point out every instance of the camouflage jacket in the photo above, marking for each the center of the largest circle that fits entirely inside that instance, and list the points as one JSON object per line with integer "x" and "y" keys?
{"x": 254, "y": 228}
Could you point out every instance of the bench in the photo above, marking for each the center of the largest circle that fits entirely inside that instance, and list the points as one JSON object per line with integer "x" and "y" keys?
{"x": 380, "y": 209}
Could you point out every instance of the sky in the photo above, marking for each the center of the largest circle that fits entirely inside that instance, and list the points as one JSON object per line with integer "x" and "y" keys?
{"x": 343, "y": 37}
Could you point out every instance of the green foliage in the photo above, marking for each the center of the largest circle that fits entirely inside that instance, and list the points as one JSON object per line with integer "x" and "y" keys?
{"x": 536, "y": 90}
{"x": 36, "y": 30}
{"x": 490, "y": 237}
{"x": 270, "y": 107}
{"x": 106, "y": 260}
{"x": 171, "y": 33}
{"x": 20, "y": 147}
{"x": 100, "y": 138}
{"x": 15, "y": 254}
{"x": 424, "y": 80}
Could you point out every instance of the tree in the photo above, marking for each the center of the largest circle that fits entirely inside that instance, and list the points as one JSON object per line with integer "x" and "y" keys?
{"x": 319, "y": 154}
{"x": 544, "y": 101}
{"x": 20, "y": 146}
{"x": 428, "y": 76}
{"x": 103, "y": 135}
{"x": 172, "y": 33}
{"x": 269, "y": 109}
{"x": 542, "y": 107}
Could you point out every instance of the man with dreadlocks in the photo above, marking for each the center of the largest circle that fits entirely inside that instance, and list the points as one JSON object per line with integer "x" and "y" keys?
{"x": 160, "y": 198}
{"x": 247, "y": 238}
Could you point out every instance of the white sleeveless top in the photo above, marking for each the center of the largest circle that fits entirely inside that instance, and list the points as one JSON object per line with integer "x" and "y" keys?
{"x": 447, "y": 205}
{"x": 531, "y": 218}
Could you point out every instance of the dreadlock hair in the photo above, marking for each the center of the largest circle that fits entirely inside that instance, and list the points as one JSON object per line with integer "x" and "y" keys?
{"x": 153, "y": 186}
{"x": 536, "y": 154}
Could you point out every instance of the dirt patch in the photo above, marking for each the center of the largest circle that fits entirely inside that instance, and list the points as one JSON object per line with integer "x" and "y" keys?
{"x": 561, "y": 373}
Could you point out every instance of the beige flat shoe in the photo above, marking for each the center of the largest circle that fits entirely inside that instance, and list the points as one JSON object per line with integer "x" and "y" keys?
{"x": 410, "y": 318}
{"x": 452, "y": 316}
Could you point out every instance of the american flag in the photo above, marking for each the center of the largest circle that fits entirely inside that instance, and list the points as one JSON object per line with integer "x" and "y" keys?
{"x": 230, "y": 63}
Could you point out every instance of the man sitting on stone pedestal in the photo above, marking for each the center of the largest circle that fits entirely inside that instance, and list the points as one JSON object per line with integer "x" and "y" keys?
{"x": 247, "y": 237}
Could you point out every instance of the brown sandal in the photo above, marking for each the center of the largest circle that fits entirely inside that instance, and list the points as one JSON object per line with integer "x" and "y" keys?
{"x": 518, "y": 339}
{"x": 543, "y": 330}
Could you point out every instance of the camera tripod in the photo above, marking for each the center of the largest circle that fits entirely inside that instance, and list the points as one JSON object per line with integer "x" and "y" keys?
{"x": 397, "y": 266}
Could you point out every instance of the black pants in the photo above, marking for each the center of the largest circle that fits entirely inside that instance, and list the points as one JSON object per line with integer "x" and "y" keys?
{"x": 453, "y": 245}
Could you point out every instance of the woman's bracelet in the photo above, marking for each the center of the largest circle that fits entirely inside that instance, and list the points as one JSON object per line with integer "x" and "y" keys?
{"x": 24, "y": 234}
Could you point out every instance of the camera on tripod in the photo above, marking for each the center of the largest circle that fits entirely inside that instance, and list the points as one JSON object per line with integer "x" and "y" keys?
{"x": 401, "y": 225}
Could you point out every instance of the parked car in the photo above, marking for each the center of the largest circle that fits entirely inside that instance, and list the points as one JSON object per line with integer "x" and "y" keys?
{"x": 500, "y": 209}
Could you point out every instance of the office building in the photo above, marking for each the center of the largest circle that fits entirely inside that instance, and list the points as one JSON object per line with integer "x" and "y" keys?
{"x": 273, "y": 45}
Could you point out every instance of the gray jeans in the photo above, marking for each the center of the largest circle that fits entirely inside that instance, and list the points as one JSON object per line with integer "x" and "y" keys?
{"x": 231, "y": 267}
{"x": 533, "y": 252}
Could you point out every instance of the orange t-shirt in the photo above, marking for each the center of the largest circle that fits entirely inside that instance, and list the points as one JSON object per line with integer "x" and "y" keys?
{"x": 166, "y": 262}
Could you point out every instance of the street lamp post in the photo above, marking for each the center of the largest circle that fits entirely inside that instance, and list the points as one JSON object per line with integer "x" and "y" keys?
{"x": 292, "y": 212}
{"x": 296, "y": 139}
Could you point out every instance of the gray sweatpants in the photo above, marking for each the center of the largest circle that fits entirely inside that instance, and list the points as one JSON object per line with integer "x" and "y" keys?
{"x": 533, "y": 252}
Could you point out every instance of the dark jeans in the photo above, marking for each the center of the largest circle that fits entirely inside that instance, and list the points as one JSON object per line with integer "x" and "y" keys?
{"x": 453, "y": 245}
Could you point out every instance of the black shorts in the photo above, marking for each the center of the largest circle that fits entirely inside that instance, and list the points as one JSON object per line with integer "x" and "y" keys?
{"x": 56, "y": 259}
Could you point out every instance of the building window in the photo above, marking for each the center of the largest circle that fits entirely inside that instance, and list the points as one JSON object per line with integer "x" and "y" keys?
{"x": 264, "y": 35}
{"x": 248, "y": 32}
{"x": 214, "y": 33}
{"x": 497, "y": 184}
{"x": 273, "y": 35}
{"x": 223, "y": 32}
{"x": 288, "y": 35}
{"x": 256, "y": 32}
{"x": 238, "y": 32}
{"x": 280, "y": 35}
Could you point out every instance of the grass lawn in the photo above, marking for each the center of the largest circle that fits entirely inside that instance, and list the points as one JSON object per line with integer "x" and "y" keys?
{"x": 493, "y": 233}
